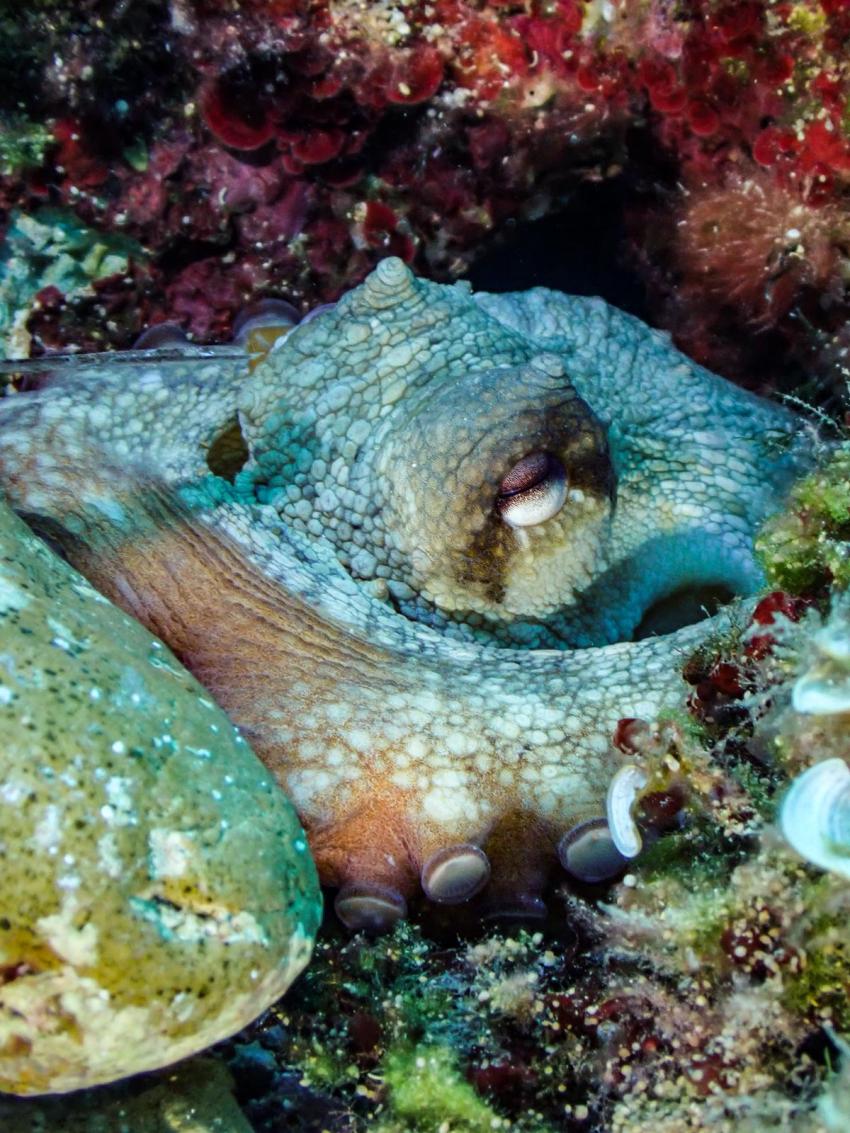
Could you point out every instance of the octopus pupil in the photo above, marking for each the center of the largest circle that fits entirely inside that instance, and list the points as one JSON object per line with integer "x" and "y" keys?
{"x": 528, "y": 473}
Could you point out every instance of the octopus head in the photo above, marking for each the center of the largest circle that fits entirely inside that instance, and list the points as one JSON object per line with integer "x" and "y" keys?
{"x": 535, "y": 475}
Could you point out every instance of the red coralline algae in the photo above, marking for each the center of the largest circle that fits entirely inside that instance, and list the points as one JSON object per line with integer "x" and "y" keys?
{"x": 752, "y": 106}
{"x": 234, "y": 115}
{"x": 75, "y": 157}
{"x": 205, "y": 294}
{"x": 776, "y": 604}
{"x": 305, "y": 139}
{"x": 415, "y": 77}
{"x": 380, "y": 230}
{"x": 758, "y": 244}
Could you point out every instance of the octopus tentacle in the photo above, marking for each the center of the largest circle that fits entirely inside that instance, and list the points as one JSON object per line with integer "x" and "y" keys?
{"x": 455, "y": 873}
{"x": 423, "y": 742}
{"x": 411, "y": 754}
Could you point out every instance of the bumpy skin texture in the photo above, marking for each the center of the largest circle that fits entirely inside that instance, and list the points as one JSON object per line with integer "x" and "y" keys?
{"x": 157, "y": 892}
{"x": 355, "y": 597}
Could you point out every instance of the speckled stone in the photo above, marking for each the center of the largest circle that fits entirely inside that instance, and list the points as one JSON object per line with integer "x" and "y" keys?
{"x": 156, "y": 891}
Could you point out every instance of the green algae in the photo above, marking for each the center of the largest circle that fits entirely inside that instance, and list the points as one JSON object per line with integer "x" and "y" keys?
{"x": 406, "y": 1034}
{"x": 760, "y": 787}
{"x": 806, "y": 547}
{"x": 23, "y": 144}
{"x": 684, "y": 890}
{"x": 427, "y": 1091}
{"x": 538, "y": 1037}
{"x": 807, "y": 18}
{"x": 137, "y": 155}
{"x": 820, "y": 988}
{"x": 697, "y": 858}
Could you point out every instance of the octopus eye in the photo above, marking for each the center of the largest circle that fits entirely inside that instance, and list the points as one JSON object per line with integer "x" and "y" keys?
{"x": 533, "y": 491}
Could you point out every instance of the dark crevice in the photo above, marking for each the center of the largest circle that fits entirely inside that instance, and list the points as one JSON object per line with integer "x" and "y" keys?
{"x": 228, "y": 453}
{"x": 682, "y": 608}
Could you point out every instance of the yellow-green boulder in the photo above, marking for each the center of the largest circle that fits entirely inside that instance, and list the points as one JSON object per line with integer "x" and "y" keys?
{"x": 156, "y": 889}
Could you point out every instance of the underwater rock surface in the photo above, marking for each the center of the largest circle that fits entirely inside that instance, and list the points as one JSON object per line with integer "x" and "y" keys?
{"x": 195, "y": 1097}
{"x": 156, "y": 892}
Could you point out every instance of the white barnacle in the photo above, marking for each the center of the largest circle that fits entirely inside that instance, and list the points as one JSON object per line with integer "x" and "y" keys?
{"x": 824, "y": 688}
{"x": 623, "y": 793}
{"x": 815, "y": 816}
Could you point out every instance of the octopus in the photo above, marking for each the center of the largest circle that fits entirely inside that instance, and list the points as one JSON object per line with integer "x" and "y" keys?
{"x": 426, "y": 548}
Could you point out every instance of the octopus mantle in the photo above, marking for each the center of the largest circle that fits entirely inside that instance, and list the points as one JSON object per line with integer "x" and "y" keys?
{"x": 416, "y": 550}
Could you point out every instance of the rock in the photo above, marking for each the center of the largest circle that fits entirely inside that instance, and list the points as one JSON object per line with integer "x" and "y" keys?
{"x": 193, "y": 1098}
{"x": 157, "y": 892}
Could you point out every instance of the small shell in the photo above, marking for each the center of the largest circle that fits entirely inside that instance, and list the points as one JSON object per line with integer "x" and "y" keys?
{"x": 833, "y": 641}
{"x": 815, "y": 816}
{"x": 625, "y": 787}
{"x": 821, "y": 692}
{"x": 824, "y": 690}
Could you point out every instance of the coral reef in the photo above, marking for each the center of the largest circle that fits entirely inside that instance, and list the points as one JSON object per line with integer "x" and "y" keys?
{"x": 282, "y": 147}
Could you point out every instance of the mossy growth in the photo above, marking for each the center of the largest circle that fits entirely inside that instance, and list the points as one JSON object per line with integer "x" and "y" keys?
{"x": 427, "y": 1091}
{"x": 699, "y": 858}
{"x": 820, "y": 988}
{"x": 807, "y": 18}
{"x": 807, "y": 547}
{"x": 683, "y": 885}
{"x": 761, "y": 787}
{"x": 22, "y": 144}
{"x": 396, "y": 986}
{"x": 407, "y": 1034}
